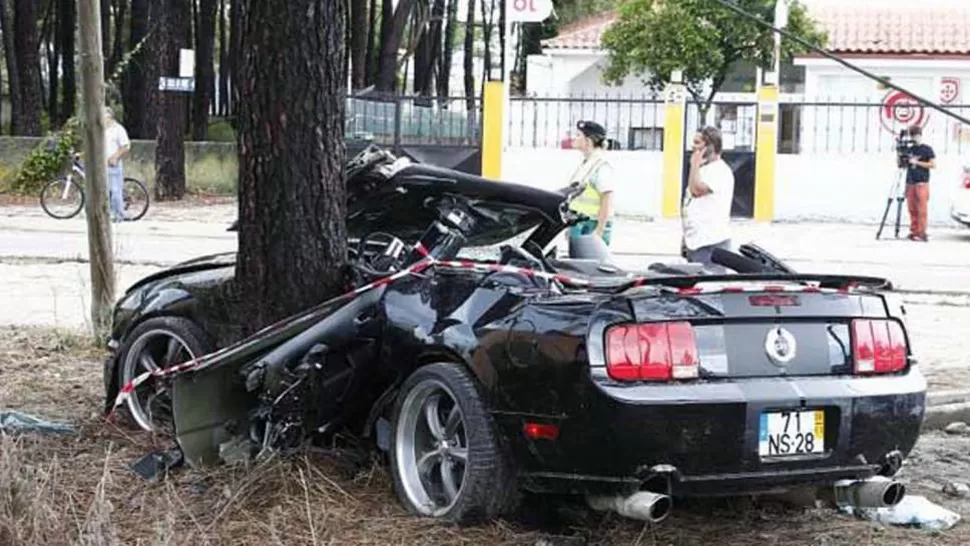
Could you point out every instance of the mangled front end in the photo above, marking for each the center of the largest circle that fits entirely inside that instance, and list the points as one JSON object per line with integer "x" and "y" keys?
{"x": 274, "y": 396}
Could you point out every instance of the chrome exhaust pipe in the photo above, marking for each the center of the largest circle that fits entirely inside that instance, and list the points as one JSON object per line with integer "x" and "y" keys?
{"x": 642, "y": 505}
{"x": 876, "y": 492}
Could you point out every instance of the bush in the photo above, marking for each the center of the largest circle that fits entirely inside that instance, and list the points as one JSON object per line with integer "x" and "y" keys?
{"x": 48, "y": 160}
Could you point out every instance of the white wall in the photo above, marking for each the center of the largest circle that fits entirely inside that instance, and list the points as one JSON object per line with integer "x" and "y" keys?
{"x": 638, "y": 175}
{"x": 854, "y": 187}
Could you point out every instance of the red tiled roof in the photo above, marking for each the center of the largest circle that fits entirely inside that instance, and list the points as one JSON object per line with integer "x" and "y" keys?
{"x": 867, "y": 30}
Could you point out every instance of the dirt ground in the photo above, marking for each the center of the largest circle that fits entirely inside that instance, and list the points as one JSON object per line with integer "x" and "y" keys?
{"x": 79, "y": 489}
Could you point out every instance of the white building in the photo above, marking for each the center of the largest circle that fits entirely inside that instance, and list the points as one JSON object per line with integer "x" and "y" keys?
{"x": 837, "y": 131}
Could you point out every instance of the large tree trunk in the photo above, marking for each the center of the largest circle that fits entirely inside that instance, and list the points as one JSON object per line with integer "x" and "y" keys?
{"x": 170, "y": 152}
{"x": 141, "y": 77}
{"x": 390, "y": 43}
{"x": 292, "y": 198}
{"x": 68, "y": 17}
{"x": 359, "y": 38}
{"x": 204, "y": 70}
{"x": 26, "y": 47}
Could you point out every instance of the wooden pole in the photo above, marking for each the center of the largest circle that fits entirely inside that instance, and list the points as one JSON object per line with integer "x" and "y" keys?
{"x": 95, "y": 167}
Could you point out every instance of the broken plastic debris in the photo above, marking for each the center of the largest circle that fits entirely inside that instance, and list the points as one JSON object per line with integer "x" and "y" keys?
{"x": 152, "y": 465}
{"x": 914, "y": 511}
{"x": 15, "y": 421}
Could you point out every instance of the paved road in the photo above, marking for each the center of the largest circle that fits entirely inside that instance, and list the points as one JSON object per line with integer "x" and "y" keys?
{"x": 43, "y": 261}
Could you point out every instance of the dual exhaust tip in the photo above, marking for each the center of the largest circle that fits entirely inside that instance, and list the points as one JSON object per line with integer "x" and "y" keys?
{"x": 876, "y": 492}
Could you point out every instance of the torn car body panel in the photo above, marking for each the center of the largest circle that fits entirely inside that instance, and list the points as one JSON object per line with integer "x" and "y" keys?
{"x": 600, "y": 380}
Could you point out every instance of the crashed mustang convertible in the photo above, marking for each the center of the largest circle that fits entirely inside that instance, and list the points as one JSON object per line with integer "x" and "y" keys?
{"x": 533, "y": 372}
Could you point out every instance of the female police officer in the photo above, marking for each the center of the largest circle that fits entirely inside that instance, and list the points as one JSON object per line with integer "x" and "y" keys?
{"x": 596, "y": 173}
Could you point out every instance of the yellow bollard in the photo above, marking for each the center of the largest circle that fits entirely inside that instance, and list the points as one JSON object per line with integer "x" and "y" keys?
{"x": 766, "y": 154}
{"x": 673, "y": 152}
{"x": 493, "y": 117}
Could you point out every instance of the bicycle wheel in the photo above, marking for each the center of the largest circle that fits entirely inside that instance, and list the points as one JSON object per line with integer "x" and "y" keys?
{"x": 136, "y": 199}
{"x": 62, "y": 198}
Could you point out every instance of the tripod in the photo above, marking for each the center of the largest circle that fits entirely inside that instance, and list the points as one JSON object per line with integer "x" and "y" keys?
{"x": 897, "y": 192}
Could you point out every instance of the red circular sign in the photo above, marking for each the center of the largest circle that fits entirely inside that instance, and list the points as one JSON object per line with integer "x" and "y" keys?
{"x": 900, "y": 110}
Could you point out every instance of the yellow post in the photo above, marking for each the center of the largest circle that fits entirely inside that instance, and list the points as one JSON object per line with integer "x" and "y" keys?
{"x": 673, "y": 161}
{"x": 492, "y": 122}
{"x": 766, "y": 154}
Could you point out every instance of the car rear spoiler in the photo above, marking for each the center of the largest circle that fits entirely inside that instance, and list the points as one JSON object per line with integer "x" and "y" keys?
{"x": 843, "y": 282}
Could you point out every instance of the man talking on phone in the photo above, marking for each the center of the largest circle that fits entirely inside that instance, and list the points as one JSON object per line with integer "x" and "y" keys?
{"x": 707, "y": 200}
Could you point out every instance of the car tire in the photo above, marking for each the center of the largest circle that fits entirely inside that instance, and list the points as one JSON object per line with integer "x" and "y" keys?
{"x": 487, "y": 486}
{"x": 156, "y": 337}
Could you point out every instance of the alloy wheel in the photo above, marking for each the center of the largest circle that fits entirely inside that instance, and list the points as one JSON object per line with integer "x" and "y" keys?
{"x": 431, "y": 447}
{"x": 150, "y": 404}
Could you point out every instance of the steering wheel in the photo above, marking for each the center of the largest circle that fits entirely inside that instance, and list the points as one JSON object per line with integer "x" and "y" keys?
{"x": 388, "y": 261}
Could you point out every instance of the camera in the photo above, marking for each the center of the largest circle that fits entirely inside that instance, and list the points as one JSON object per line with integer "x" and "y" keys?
{"x": 904, "y": 148}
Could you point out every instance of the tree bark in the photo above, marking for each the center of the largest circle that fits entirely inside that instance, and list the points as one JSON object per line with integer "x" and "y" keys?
{"x": 141, "y": 78}
{"x": 390, "y": 43}
{"x": 96, "y": 206}
{"x": 292, "y": 197}
{"x": 13, "y": 75}
{"x": 26, "y": 47}
{"x": 204, "y": 69}
{"x": 68, "y": 17}
{"x": 170, "y": 151}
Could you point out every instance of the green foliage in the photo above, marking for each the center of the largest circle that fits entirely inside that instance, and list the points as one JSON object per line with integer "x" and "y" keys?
{"x": 701, "y": 38}
{"x": 48, "y": 160}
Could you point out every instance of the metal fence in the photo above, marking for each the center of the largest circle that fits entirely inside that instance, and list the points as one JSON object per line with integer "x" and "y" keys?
{"x": 538, "y": 122}
{"x": 804, "y": 127}
{"x": 411, "y": 120}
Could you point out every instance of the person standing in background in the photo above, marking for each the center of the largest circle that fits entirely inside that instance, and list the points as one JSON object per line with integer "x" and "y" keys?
{"x": 922, "y": 159}
{"x": 116, "y": 146}
{"x": 596, "y": 174}
{"x": 707, "y": 200}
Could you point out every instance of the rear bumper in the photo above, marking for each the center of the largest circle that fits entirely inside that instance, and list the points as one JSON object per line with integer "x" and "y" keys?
{"x": 703, "y": 439}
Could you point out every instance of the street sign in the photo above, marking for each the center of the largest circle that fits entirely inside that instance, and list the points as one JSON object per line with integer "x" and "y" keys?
{"x": 528, "y": 11}
{"x": 183, "y": 85}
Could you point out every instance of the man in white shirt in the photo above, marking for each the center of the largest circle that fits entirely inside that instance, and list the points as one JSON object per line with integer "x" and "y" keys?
{"x": 116, "y": 146}
{"x": 707, "y": 201}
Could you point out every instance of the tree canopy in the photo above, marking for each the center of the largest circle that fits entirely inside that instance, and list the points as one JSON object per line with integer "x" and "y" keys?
{"x": 701, "y": 38}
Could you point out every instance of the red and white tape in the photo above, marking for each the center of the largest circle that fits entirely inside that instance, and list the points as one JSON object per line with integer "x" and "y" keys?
{"x": 429, "y": 261}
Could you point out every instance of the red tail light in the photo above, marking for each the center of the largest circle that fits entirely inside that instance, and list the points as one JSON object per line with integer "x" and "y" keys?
{"x": 878, "y": 346}
{"x": 966, "y": 182}
{"x": 659, "y": 351}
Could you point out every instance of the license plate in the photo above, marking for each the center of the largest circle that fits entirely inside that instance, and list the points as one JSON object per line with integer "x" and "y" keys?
{"x": 792, "y": 433}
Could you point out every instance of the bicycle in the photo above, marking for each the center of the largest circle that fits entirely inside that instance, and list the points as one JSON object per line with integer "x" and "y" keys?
{"x": 67, "y": 190}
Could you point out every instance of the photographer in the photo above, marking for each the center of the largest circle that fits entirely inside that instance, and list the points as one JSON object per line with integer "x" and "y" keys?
{"x": 922, "y": 158}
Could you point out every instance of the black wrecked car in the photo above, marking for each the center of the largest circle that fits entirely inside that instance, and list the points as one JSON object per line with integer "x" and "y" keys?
{"x": 484, "y": 376}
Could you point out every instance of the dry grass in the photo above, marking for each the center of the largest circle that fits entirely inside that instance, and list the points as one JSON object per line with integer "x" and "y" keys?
{"x": 80, "y": 489}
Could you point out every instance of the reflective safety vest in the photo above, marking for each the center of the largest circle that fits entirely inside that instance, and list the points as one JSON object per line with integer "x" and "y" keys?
{"x": 588, "y": 202}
